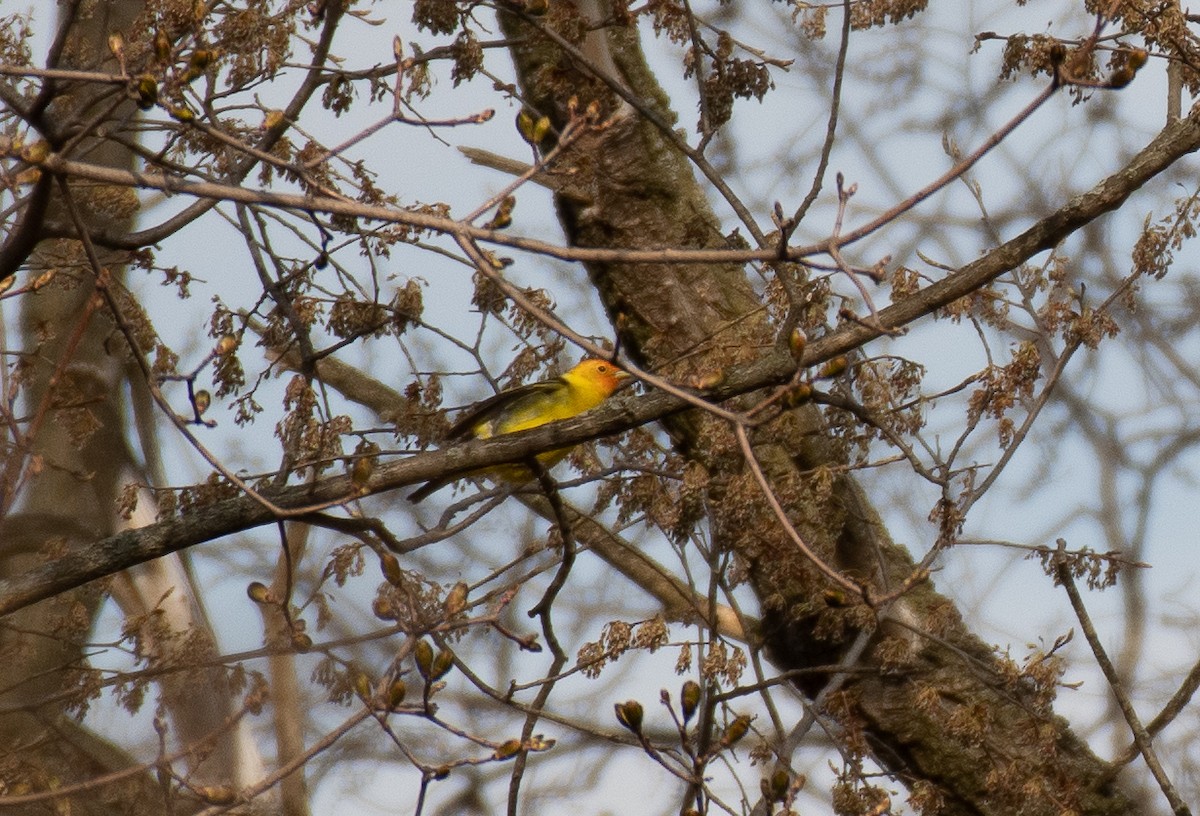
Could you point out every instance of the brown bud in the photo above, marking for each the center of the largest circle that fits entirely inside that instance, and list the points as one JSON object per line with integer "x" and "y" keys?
{"x": 540, "y": 743}
{"x": 442, "y": 664}
{"x": 362, "y": 686}
{"x": 382, "y": 608}
{"x": 883, "y": 806}
{"x": 781, "y": 780}
{"x": 525, "y": 125}
{"x": 162, "y": 46}
{"x": 396, "y": 692}
{"x": 703, "y": 382}
{"x": 202, "y": 58}
{"x": 390, "y": 565}
{"x": 216, "y": 794}
{"x": 799, "y": 394}
{"x": 503, "y": 216}
{"x": 736, "y": 730}
{"x": 797, "y": 340}
{"x": 689, "y": 698}
{"x": 834, "y": 368}
{"x": 629, "y": 714}
{"x": 202, "y": 400}
{"x": 43, "y": 279}
{"x": 1121, "y": 77}
{"x": 360, "y": 475}
{"x": 835, "y": 597}
{"x": 301, "y": 642}
{"x": 259, "y": 593}
{"x": 456, "y": 599}
{"x": 226, "y": 344}
{"x": 147, "y": 92}
{"x": 35, "y": 152}
{"x": 423, "y": 655}
{"x": 508, "y": 749}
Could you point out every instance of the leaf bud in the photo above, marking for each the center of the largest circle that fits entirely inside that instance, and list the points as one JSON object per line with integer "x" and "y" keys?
{"x": 383, "y": 609}
{"x": 736, "y": 730}
{"x": 182, "y": 113}
{"x": 442, "y": 664}
{"x": 35, "y": 152}
{"x": 507, "y": 749}
{"x": 503, "y": 216}
{"x": 1121, "y": 77}
{"x": 525, "y": 125}
{"x": 226, "y": 344}
{"x": 217, "y": 794}
{"x": 259, "y": 593}
{"x": 456, "y": 599}
{"x": 540, "y": 743}
{"x": 629, "y": 714}
{"x": 423, "y": 655}
{"x": 781, "y": 780}
{"x": 797, "y": 340}
{"x": 689, "y": 699}
{"x": 395, "y": 693}
{"x": 707, "y": 380}
{"x": 390, "y": 566}
{"x": 202, "y": 58}
{"x": 799, "y": 394}
{"x": 162, "y": 46}
{"x": 361, "y": 472}
{"x": 834, "y": 368}
{"x": 147, "y": 92}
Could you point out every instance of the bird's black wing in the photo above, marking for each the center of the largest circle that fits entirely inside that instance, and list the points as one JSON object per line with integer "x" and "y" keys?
{"x": 491, "y": 407}
{"x": 484, "y": 411}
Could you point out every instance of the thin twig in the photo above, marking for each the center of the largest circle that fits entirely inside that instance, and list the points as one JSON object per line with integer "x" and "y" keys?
{"x": 1140, "y": 737}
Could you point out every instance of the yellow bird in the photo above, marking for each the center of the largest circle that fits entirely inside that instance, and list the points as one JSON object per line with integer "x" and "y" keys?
{"x": 527, "y": 406}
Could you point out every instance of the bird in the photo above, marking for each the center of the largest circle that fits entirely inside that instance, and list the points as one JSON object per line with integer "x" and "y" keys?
{"x": 582, "y": 388}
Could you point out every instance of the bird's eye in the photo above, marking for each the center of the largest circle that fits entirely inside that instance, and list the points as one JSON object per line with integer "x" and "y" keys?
{"x": 603, "y": 369}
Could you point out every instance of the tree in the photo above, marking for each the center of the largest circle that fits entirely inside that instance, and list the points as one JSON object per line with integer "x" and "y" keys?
{"x": 830, "y": 365}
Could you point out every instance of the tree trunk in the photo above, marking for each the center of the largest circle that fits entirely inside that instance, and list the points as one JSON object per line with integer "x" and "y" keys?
{"x": 66, "y": 488}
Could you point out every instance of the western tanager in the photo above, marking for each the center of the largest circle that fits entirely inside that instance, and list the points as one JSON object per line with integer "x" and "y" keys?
{"x": 582, "y": 388}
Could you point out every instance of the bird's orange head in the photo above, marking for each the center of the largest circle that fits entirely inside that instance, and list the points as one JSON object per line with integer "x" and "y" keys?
{"x": 600, "y": 375}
